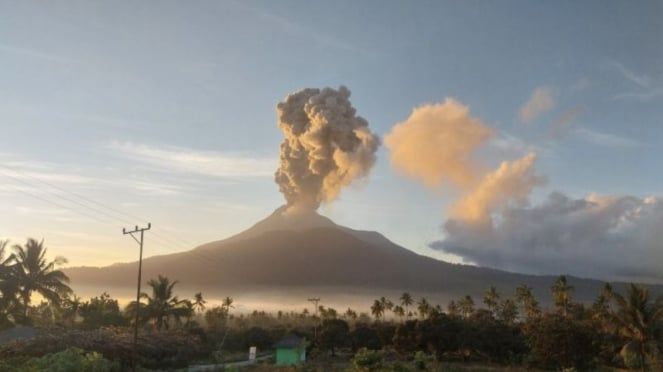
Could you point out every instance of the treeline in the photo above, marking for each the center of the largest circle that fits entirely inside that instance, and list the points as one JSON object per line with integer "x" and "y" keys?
{"x": 621, "y": 330}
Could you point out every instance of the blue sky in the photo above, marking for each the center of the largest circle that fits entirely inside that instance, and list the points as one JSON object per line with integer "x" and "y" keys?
{"x": 166, "y": 110}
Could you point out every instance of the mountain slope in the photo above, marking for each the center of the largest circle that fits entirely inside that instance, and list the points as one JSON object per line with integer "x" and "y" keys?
{"x": 309, "y": 252}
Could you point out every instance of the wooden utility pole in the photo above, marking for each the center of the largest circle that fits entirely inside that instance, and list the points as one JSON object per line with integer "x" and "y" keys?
{"x": 315, "y": 327}
{"x": 140, "y": 269}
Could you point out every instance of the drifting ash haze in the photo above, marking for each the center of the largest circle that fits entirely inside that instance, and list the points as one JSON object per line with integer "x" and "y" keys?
{"x": 492, "y": 224}
{"x": 326, "y": 147}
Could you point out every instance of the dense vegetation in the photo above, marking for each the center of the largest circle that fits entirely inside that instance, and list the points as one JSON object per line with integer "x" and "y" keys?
{"x": 620, "y": 330}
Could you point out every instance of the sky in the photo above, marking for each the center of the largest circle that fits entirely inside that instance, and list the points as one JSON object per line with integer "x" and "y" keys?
{"x": 115, "y": 114}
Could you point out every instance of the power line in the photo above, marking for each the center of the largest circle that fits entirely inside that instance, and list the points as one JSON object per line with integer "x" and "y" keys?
{"x": 108, "y": 219}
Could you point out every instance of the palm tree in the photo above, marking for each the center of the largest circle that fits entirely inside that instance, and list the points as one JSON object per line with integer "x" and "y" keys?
{"x": 453, "y": 309}
{"x": 406, "y": 302}
{"x": 350, "y": 314}
{"x": 466, "y": 305}
{"x": 561, "y": 291}
{"x": 508, "y": 311}
{"x": 424, "y": 307}
{"x": 9, "y": 288}
{"x": 491, "y": 298}
{"x": 529, "y": 304}
{"x": 637, "y": 317}
{"x": 33, "y": 273}
{"x": 377, "y": 309}
{"x": 162, "y": 305}
{"x": 71, "y": 309}
{"x": 199, "y": 302}
{"x": 227, "y": 303}
{"x": 399, "y": 311}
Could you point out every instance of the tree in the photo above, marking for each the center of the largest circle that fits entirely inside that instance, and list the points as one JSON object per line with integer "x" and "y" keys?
{"x": 350, "y": 314}
{"x": 406, "y": 302}
{"x": 101, "y": 311}
{"x": 423, "y": 307}
{"x": 228, "y": 303}
{"x": 452, "y": 309}
{"x": 163, "y": 305}
{"x": 491, "y": 299}
{"x": 529, "y": 304}
{"x": 637, "y": 316}
{"x": 377, "y": 309}
{"x": 334, "y": 334}
{"x": 507, "y": 311}
{"x": 71, "y": 307}
{"x": 466, "y": 305}
{"x": 559, "y": 342}
{"x": 561, "y": 291}
{"x": 199, "y": 302}
{"x": 399, "y": 311}
{"x": 33, "y": 273}
{"x": 10, "y": 305}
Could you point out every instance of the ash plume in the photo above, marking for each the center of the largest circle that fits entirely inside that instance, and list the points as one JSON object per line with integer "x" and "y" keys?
{"x": 326, "y": 147}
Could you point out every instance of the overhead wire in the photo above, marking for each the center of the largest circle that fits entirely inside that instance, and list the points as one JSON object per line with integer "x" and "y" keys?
{"x": 109, "y": 218}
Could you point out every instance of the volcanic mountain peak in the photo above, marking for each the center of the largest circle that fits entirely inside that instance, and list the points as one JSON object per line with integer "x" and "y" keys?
{"x": 282, "y": 220}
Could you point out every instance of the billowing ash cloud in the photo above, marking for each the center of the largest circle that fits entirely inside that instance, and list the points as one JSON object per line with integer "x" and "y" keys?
{"x": 610, "y": 237}
{"x": 326, "y": 147}
{"x": 435, "y": 144}
{"x": 509, "y": 184}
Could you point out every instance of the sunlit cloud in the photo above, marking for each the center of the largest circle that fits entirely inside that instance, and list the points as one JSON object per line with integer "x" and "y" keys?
{"x": 207, "y": 163}
{"x": 542, "y": 100}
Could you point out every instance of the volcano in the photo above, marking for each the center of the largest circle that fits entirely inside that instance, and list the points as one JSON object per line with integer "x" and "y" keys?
{"x": 297, "y": 255}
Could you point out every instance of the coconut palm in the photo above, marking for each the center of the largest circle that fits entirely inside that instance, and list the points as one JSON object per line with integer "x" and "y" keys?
{"x": 227, "y": 303}
{"x": 529, "y": 304}
{"x": 406, "y": 302}
{"x": 561, "y": 291}
{"x": 33, "y": 273}
{"x": 453, "y": 309}
{"x": 377, "y": 309}
{"x": 399, "y": 311}
{"x": 162, "y": 305}
{"x": 637, "y": 316}
{"x": 9, "y": 288}
{"x": 466, "y": 305}
{"x": 424, "y": 307}
{"x": 199, "y": 302}
{"x": 491, "y": 299}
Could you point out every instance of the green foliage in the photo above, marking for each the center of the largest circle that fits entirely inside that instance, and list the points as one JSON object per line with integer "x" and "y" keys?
{"x": 102, "y": 311}
{"x": 557, "y": 341}
{"x": 334, "y": 334}
{"x": 364, "y": 336}
{"x": 74, "y": 359}
{"x": 368, "y": 360}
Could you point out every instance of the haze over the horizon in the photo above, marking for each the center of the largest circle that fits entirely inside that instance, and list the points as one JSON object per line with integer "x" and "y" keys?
{"x": 521, "y": 136}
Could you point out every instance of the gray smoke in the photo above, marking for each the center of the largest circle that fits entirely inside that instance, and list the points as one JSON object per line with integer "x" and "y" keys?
{"x": 326, "y": 147}
{"x": 608, "y": 237}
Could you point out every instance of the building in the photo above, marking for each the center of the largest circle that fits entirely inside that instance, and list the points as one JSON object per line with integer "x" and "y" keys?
{"x": 291, "y": 350}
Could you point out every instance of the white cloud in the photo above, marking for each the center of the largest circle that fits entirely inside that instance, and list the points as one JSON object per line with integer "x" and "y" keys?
{"x": 541, "y": 101}
{"x": 603, "y": 139}
{"x": 608, "y": 237}
{"x": 207, "y": 163}
{"x": 642, "y": 81}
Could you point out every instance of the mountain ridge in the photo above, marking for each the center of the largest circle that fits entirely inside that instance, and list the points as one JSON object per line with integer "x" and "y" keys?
{"x": 285, "y": 253}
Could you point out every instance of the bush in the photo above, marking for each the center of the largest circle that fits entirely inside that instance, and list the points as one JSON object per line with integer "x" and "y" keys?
{"x": 71, "y": 359}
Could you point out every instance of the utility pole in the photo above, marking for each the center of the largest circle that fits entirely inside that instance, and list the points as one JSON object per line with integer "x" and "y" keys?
{"x": 315, "y": 327}
{"x": 140, "y": 269}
